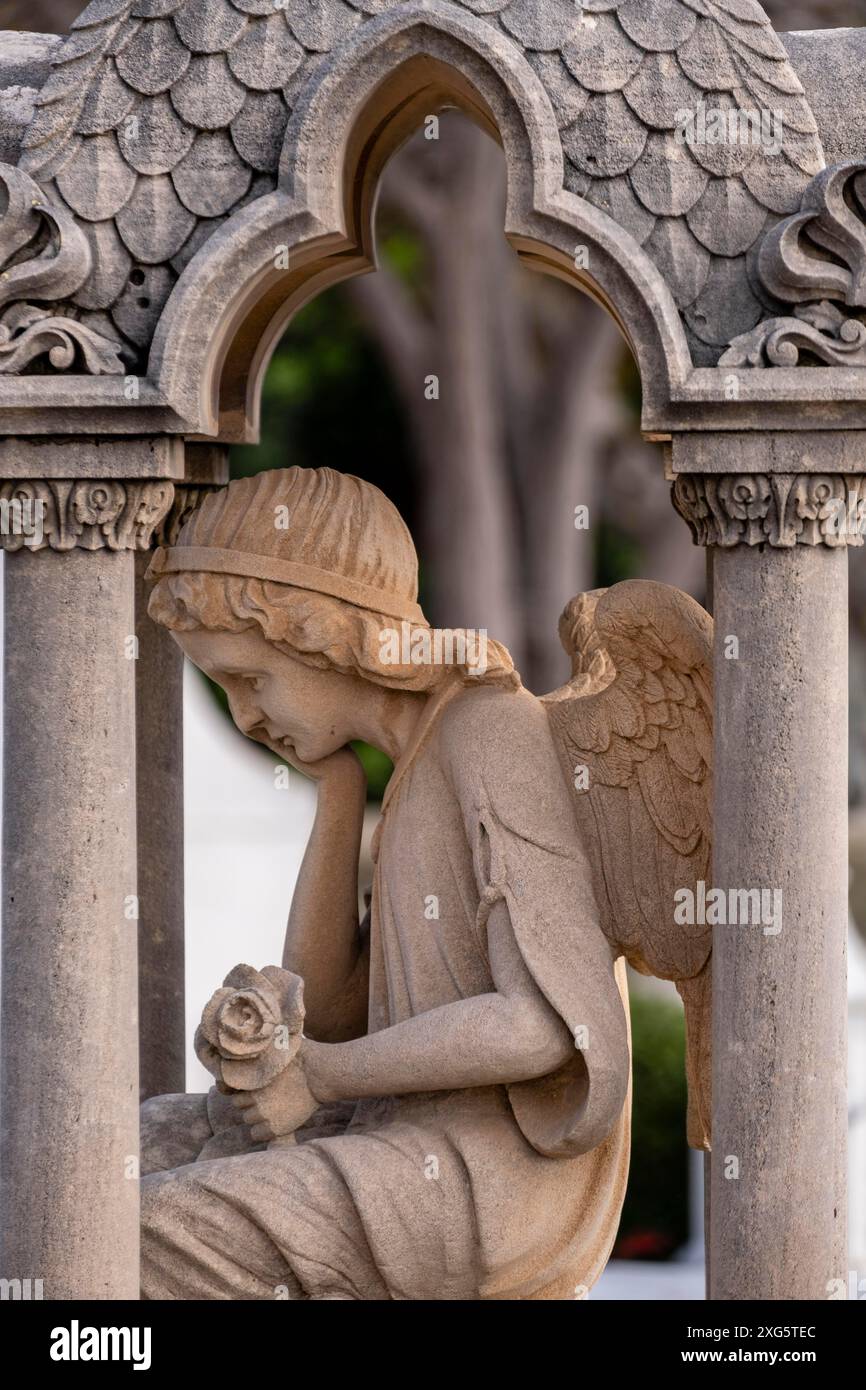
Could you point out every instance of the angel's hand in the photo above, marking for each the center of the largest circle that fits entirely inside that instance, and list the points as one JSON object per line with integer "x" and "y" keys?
{"x": 279, "y": 1108}
{"x": 342, "y": 768}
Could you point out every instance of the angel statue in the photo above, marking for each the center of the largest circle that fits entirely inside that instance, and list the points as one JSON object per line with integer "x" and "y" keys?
{"x": 433, "y": 1102}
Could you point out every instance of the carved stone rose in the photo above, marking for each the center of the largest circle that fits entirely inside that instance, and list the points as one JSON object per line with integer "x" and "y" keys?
{"x": 251, "y": 1029}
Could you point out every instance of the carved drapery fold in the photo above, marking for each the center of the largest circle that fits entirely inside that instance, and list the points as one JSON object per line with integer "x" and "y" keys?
{"x": 88, "y": 514}
{"x": 780, "y": 510}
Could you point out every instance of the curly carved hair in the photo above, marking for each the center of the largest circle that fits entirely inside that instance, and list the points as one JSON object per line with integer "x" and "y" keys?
{"x": 336, "y": 522}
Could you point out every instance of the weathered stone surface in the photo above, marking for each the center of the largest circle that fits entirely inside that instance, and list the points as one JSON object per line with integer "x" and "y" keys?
{"x": 208, "y": 96}
{"x": 137, "y": 311}
{"x": 112, "y": 264}
{"x": 97, "y": 181}
{"x": 666, "y": 178}
{"x": 154, "y": 59}
{"x": 725, "y": 307}
{"x": 154, "y": 224}
{"x": 602, "y": 57}
{"x": 267, "y": 55}
{"x": 684, "y": 263}
{"x": 208, "y": 26}
{"x": 614, "y": 71}
{"x": 617, "y": 198}
{"x": 726, "y": 218}
{"x": 108, "y": 101}
{"x": 320, "y": 24}
{"x": 212, "y": 177}
{"x": 258, "y": 130}
{"x": 158, "y": 139}
{"x": 606, "y": 139}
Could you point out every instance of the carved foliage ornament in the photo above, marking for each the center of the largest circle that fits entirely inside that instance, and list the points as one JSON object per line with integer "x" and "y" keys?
{"x": 88, "y": 514}
{"x": 780, "y": 510}
{"x": 45, "y": 256}
{"x": 814, "y": 260}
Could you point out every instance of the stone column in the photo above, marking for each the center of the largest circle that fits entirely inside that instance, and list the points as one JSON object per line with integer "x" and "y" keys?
{"x": 780, "y": 590}
{"x": 159, "y": 797}
{"x": 69, "y": 1209}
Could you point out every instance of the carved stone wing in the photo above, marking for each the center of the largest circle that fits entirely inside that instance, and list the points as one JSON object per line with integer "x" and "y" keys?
{"x": 162, "y": 117}
{"x": 634, "y": 733}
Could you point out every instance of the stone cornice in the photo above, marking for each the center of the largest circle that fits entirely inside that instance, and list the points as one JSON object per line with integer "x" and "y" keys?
{"x": 780, "y": 510}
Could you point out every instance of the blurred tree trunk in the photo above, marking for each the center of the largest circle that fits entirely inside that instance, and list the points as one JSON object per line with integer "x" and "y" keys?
{"x": 40, "y": 16}
{"x": 524, "y": 366}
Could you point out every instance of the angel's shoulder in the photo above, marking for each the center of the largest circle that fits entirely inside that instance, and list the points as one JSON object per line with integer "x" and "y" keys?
{"x": 488, "y": 724}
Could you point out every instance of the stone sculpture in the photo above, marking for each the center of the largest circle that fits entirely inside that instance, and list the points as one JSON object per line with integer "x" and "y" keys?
{"x": 453, "y": 1120}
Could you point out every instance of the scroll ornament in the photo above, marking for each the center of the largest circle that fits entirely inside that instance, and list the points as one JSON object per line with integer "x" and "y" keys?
{"x": 44, "y": 256}
{"x": 815, "y": 261}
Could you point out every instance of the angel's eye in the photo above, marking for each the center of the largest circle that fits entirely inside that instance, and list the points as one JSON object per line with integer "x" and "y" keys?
{"x": 255, "y": 682}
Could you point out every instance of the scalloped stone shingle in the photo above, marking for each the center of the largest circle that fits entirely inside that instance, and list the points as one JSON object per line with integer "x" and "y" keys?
{"x": 775, "y": 182}
{"x": 720, "y": 140}
{"x": 259, "y": 128}
{"x": 155, "y": 59}
{"x": 98, "y": 181}
{"x": 212, "y": 177}
{"x": 154, "y": 224}
{"x": 208, "y": 96}
{"x": 601, "y": 56}
{"x": 706, "y": 59}
{"x": 657, "y": 25}
{"x": 109, "y": 100}
{"x": 666, "y": 178}
{"x": 111, "y": 266}
{"x": 156, "y": 9}
{"x": 256, "y": 7}
{"x": 204, "y": 228}
{"x": 726, "y": 305}
{"x": 320, "y": 24}
{"x": 209, "y": 26}
{"x": 660, "y": 92}
{"x": 567, "y": 97}
{"x": 617, "y": 198}
{"x": 157, "y": 139}
{"x": 267, "y": 55}
{"x": 606, "y": 138}
{"x": 726, "y": 218}
{"x": 98, "y": 11}
{"x": 541, "y": 24}
{"x": 136, "y": 313}
{"x": 683, "y": 262}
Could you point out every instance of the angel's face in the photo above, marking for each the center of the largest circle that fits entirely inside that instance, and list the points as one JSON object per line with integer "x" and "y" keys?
{"x": 274, "y": 698}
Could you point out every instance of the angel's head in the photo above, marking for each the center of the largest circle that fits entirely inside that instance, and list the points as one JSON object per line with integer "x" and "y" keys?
{"x": 288, "y": 589}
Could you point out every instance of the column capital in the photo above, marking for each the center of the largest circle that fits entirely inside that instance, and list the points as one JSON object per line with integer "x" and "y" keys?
{"x": 187, "y": 498}
{"x": 82, "y": 514}
{"x": 776, "y": 509}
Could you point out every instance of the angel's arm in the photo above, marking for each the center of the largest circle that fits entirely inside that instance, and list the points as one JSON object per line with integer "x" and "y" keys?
{"x": 511, "y": 1034}
{"x": 323, "y": 942}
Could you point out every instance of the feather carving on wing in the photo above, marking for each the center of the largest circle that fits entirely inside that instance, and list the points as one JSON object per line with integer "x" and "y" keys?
{"x": 633, "y": 729}
{"x": 163, "y": 117}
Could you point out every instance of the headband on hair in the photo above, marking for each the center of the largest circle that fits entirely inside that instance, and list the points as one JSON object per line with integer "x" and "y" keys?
{"x": 179, "y": 559}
